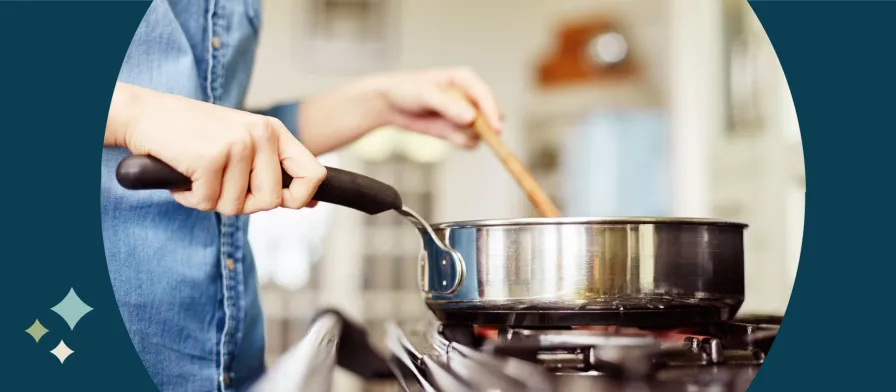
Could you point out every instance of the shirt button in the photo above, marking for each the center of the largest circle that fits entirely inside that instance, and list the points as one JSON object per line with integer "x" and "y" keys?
{"x": 216, "y": 42}
{"x": 230, "y": 264}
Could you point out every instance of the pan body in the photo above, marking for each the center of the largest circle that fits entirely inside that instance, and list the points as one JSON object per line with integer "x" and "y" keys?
{"x": 542, "y": 272}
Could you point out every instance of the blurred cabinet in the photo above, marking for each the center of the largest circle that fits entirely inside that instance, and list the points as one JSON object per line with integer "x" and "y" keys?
{"x": 287, "y": 317}
{"x": 347, "y": 36}
{"x": 391, "y": 246}
{"x": 616, "y": 163}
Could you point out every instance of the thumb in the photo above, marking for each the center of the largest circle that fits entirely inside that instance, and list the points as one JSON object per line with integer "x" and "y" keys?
{"x": 306, "y": 171}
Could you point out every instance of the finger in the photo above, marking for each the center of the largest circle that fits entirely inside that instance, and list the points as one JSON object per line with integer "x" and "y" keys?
{"x": 184, "y": 198}
{"x": 266, "y": 181}
{"x": 306, "y": 171}
{"x": 205, "y": 190}
{"x": 441, "y": 128}
{"x": 447, "y": 105}
{"x": 235, "y": 181}
{"x": 311, "y": 204}
{"x": 477, "y": 90}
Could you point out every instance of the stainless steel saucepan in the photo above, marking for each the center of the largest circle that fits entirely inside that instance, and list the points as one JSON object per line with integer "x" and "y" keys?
{"x": 649, "y": 272}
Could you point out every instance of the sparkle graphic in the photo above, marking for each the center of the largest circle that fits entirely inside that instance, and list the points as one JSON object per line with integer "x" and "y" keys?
{"x": 61, "y": 351}
{"x": 72, "y": 308}
{"x": 36, "y": 331}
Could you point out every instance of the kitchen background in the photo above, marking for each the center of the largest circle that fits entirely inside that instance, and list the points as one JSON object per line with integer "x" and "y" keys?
{"x": 665, "y": 107}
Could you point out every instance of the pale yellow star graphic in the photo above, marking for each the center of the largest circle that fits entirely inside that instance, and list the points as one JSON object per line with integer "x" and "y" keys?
{"x": 36, "y": 331}
{"x": 61, "y": 351}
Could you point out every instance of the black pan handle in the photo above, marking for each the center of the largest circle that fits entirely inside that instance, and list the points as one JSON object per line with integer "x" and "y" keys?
{"x": 340, "y": 187}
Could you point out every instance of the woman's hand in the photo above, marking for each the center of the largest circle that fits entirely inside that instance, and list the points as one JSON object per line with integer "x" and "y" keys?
{"x": 234, "y": 158}
{"x": 423, "y": 102}
{"x": 420, "y": 101}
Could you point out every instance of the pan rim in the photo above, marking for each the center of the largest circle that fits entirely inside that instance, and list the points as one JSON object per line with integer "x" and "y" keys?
{"x": 587, "y": 221}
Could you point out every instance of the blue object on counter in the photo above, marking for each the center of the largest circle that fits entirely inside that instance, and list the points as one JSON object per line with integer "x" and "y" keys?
{"x": 617, "y": 164}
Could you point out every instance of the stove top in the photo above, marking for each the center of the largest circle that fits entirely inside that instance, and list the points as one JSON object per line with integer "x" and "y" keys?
{"x": 433, "y": 358}
{"x": 717, "y": 357}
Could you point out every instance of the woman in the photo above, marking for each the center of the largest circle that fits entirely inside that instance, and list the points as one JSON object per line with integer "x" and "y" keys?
{"x": 180, "y": 263}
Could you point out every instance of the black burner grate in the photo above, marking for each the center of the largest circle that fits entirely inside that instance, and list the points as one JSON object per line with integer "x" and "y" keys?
{"x": 717, "y": 357}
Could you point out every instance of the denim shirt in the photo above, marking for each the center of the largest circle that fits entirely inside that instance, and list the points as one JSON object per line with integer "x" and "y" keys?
{"x": 185, "y": 280}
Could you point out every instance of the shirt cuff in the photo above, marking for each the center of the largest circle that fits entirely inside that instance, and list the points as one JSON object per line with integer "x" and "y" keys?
{"x": 287, "y": 113}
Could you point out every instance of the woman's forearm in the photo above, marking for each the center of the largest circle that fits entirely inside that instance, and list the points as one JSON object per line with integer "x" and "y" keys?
{"x": 327, "y": 121}
{"x": 336, "y": 118}
{"x": 121, "y": 112}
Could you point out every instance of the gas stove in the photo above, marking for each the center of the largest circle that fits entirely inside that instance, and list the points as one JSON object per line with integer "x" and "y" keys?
{"x": 435, "y": 357}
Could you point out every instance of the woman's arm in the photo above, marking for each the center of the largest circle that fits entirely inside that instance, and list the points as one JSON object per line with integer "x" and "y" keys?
{"x": 125, "y": 100}
{"x": 234, "y": 158}
{"x": 338, "y": 117}
{"x": 416, "y": 101}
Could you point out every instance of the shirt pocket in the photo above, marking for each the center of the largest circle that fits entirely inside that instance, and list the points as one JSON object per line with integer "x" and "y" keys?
{"x": 253, "y": 12}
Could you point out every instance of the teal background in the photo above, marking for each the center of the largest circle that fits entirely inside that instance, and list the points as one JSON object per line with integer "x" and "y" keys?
{"x": 840, "y": 61}
{"x": 58, "y": 64}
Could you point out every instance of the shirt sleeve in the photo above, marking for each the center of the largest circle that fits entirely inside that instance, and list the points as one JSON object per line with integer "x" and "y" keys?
{"x": 287, "y": 113}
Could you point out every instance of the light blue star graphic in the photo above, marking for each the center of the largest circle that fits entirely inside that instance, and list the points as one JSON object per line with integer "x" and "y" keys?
{"x": 71, "y": 308}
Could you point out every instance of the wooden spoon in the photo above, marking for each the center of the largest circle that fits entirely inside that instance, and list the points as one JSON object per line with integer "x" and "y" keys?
{"x": 537, "y": 196}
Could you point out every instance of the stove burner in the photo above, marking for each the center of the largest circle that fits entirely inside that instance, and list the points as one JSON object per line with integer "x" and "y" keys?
{"x": 712, "y": 357}
{"x": 718, "y": 357}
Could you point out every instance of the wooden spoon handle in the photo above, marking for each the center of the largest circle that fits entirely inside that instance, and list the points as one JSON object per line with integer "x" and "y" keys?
{"x": 537, "y": 196}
